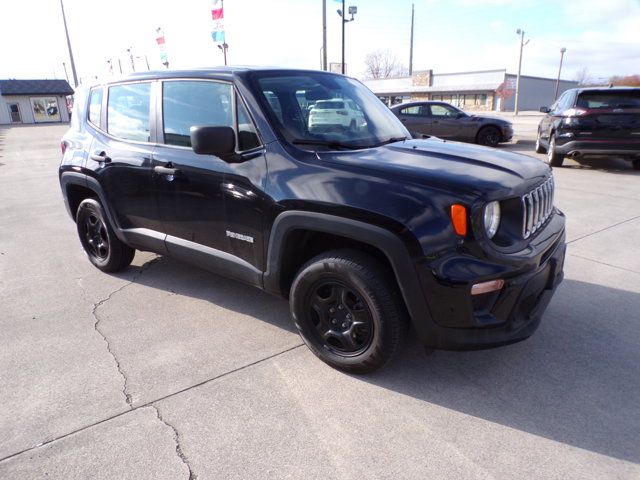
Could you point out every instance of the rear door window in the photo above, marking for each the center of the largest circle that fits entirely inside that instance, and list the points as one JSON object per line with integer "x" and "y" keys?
{"x": 191, "y": 103}
{"x": 128, "y": 111}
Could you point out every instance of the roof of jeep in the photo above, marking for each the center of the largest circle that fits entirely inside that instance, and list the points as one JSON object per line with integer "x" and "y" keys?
{"x": 207, "y": 73}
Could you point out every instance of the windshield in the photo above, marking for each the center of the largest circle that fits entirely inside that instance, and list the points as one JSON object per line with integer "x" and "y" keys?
{"x": 609, "y": 99}
{"x": 318, "y": 109}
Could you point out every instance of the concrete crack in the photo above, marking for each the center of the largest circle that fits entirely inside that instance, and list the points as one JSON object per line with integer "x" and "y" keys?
{"x": 176, "y": 439}
{"x": 96, "y": 326}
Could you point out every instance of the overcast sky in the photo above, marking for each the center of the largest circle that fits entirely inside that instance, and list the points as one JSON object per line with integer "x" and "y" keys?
{"x": 450, "y": 35}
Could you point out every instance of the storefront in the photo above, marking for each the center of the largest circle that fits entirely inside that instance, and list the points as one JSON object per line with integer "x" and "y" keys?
{"x": 34, "y": 101}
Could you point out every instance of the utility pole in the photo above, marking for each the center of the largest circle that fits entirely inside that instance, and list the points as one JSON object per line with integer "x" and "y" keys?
{"x": 224, "y": 48}
{"x": 411, "y": 43}
{"x": 324, "y": 35}
{"x": 64, "y": 65}
{"x": 562, "y": 50}
{"x": 522, "y": 44}
{"x": 342, "y": 13}
{"x": 66, "y": 32}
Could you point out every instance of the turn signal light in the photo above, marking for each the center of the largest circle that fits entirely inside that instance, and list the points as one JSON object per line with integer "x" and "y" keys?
{"x": 486, "y": 287}
{"x": 459, "y": 219}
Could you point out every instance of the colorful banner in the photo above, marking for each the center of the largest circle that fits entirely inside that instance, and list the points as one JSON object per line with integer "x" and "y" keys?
{"x": 217, "y": 16}
{"x": 163, "y": 49}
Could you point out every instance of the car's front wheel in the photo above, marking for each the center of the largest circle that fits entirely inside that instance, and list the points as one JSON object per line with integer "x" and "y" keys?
{"x": 488, "y": 136}
{"x": 98, "y": 239}
{"x": 348, "y": 311}
{"x": 635, "y": 164}
{"x": 553, "y": 158}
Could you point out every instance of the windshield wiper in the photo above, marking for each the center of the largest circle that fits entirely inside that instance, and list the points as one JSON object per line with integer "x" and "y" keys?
{"x": 390, "y": 140}
{"x": 324, "y": 143}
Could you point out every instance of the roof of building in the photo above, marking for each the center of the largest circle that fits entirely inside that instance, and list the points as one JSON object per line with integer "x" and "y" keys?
{"x": 35, "y": 87}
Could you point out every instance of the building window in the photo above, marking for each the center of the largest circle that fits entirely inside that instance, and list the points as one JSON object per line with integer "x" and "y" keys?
{"x": 45, "y": 109}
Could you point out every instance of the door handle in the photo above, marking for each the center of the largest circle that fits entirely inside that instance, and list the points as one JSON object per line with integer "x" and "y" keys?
{"x": 101, "y": 157}
{"x": 166, "y": 170}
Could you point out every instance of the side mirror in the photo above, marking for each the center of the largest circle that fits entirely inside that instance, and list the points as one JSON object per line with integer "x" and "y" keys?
{"x": 461, "y": 115}
{"x": 209, "y": 140}
{"x": 545, "y": 109}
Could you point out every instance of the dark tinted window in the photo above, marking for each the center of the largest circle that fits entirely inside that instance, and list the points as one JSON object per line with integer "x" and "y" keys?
{"x": 247, "y": 134}
{"x": 335, "y": 105}
{"x": 95, "y": 105}
{"x": 128, "y": 111}
{"x": 415, "y": 110}
{"x": 443, "y": 111}
{"x": 612, "y": 99}
{"x": 190, "y": 103}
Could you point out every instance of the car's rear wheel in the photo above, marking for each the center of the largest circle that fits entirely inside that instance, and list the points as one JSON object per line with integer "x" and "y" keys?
{"x": 348, "y": 311}
{"x": 98, "y": 239}
{"x": 539, "y": 147}
{"x": 553, "y": 158}
{"x": 488, "y": 136}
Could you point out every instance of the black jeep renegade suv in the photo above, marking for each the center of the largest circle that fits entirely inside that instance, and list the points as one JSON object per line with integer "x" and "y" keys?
{"x": 361, "y": 227}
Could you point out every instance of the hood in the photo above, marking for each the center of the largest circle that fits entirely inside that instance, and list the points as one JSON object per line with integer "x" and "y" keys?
{"x": 450, "y": 165}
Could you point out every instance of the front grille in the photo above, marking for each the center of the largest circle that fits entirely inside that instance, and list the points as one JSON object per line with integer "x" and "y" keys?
{"x": 537, "y": 208}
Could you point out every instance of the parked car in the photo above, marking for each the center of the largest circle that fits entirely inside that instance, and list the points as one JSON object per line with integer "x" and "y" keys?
{"x": 445, "y": 121}
{"x": 587, "y": 122}
{"x": 337, "y": 113}
{"x": 362, "y": 230}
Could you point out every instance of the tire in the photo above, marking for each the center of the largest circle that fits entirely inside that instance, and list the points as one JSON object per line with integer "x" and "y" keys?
{"x": 539, "y": 147}
{"x": 348, "y": 310}
{"x": 98, "y": 239}
{"x": 554, "y": 159}
{"x": 635, "y": 164}
{"x": 488, "y": 136}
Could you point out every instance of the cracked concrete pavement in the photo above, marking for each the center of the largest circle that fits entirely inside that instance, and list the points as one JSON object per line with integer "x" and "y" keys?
{"x": 167, "y": 371}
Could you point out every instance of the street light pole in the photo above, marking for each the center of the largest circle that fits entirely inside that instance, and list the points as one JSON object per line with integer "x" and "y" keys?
{"x": 324, "y": 34}
{"x": 342, "y": 13}
{"x": 522, "y": 44}
{"x": 411, "y": 44}
{"x": 66, "y": 32}
{"x": 562, "y": 50}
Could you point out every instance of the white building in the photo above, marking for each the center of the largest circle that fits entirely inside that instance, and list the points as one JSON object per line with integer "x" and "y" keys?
{"x": 33, "y": 101}
{"x": 483, "y": 90}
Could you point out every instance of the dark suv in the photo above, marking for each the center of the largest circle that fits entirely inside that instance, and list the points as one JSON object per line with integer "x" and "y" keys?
{"x": 587, "y": 122}
{"x": 362, "y": 228}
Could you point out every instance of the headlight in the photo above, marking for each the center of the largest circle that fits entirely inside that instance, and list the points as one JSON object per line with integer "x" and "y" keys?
{"x": 491, "y": 218}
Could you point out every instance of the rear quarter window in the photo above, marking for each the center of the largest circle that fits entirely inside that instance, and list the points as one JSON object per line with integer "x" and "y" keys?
{"x": 95, "y": 106}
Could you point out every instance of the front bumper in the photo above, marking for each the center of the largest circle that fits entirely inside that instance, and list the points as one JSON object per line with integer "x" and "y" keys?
{"x": 460, "y": 321}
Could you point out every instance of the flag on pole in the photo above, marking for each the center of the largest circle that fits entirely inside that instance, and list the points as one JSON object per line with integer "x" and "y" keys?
{"x": 163, "y": 48}
{"x": 217, "y": 16}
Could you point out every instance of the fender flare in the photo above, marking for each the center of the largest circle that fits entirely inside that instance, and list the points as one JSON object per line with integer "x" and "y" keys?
{"x": 83, "y": 180}
{"x": 390, "y": 244}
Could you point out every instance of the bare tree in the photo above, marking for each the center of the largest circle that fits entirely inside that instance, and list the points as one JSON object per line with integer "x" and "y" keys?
{"x": 583, "y": 77}
{"x": 628, "y": 81}
{"x": 383, "y": 64}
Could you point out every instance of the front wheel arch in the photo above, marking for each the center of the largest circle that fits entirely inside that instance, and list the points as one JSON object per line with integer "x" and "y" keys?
{"x": 486, "y": 128}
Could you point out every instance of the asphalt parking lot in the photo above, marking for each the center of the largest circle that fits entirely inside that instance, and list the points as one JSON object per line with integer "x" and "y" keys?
{"x": 167, "y": 372}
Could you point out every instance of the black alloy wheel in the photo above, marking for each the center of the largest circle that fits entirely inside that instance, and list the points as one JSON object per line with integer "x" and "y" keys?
{"x": 341, "y": 318}
{"x": 348, "y": 310}
{"x": 98, "y": 239}
{"x": 488, "y": 136}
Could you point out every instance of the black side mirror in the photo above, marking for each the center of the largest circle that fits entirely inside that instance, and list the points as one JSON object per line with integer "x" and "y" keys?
{"x": 545, "y": 109}
{"x": 461, "y": 115}
{"x": 209, "y": 140}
